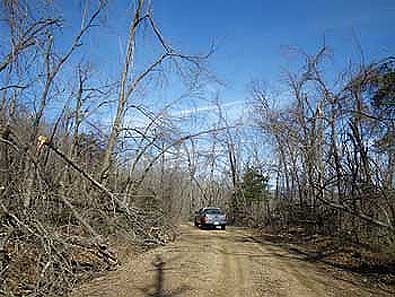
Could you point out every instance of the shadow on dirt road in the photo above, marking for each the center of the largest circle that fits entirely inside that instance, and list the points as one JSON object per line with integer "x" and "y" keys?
{"x": 159, "y": 266}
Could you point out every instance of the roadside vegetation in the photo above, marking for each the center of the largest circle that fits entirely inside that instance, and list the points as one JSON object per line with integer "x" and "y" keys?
{"x": 334, "y": 164}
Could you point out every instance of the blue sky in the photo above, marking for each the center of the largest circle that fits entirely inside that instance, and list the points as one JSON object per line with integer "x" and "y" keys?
{"x": 252, "y": 36}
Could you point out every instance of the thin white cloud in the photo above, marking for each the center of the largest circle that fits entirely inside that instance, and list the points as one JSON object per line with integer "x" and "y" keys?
{"x": 201, "y": 109}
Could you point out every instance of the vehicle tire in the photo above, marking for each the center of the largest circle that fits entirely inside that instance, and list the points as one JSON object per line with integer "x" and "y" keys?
{"x": 223, "y": 227}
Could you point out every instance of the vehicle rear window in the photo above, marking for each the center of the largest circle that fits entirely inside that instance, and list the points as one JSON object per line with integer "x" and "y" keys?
{"x": 212, "y": 211}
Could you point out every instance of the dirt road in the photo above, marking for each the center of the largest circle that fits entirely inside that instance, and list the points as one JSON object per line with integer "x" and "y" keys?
{"x": 223, "y": 263}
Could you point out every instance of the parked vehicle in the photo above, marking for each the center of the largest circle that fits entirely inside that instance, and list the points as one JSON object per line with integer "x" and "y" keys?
{"x": 210, "y": 217}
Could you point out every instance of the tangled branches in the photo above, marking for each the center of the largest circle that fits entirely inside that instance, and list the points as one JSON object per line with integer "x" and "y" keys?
{"x": 64, "y": 234}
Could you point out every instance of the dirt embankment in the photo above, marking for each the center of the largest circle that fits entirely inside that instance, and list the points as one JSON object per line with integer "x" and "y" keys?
{"x": 224, "y": 263}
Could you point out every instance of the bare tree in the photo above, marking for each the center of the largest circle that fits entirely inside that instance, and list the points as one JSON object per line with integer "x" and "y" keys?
{"x": 128, "y": 83}
{"x": 323, "y": 156}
